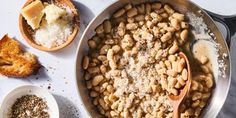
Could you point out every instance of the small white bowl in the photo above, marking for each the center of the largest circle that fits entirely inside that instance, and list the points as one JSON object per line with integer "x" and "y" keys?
{"x": 18, "y": 92}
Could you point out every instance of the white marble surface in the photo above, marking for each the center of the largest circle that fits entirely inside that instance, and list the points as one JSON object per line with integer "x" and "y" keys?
{"x": 58, "y": 71}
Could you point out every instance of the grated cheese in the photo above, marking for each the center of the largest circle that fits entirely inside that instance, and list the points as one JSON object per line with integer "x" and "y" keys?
{"x": 55, "y": 29}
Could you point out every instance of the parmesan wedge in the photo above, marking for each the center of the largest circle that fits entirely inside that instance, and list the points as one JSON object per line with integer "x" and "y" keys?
{"x": 33, "y": 13}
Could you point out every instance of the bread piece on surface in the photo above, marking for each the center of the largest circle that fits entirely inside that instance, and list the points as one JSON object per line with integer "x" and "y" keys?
{"x": 18, "y": 65}
{"x": 9, "y": 46}
{"x": 14, "y": 62}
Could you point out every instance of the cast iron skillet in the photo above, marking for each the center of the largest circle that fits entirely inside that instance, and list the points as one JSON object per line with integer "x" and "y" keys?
{"x": 222, "y": 82}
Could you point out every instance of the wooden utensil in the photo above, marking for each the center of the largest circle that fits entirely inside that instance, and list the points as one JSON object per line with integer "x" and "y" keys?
{"x": 176, "y": 100}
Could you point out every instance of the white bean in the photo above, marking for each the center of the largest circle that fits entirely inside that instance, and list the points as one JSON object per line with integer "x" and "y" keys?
{"x": 107, "y": 26}
{"x": 178, "y": 16}
{"x": 184, "y": 35}
{"x": 166, "y": 37}
{"x": 173, "y": 49}
{"x": 85, "y": 62}
{"x": 181, "y": 65}
{"x": 97, "y": 79}
{"x": 119, "y": 13}
{"x": 184, "y": 74}
{"x": 132, "y": 12}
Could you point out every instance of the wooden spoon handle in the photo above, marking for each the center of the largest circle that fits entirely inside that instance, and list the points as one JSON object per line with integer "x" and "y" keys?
{"x": 176, "y": 113}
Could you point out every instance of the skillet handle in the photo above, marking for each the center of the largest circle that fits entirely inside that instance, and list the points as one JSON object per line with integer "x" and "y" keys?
{"x": 228, "y": 22}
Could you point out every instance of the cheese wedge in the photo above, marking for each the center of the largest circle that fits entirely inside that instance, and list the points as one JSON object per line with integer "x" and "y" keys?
{"x": 33, "y": 13}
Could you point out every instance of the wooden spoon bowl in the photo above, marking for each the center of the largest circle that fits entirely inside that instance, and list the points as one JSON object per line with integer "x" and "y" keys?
{"x": 176, "y": 100}
{"x": 27, "y": 32}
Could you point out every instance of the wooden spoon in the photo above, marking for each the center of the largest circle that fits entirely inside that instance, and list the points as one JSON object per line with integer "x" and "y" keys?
{"x": 176, "y": 100}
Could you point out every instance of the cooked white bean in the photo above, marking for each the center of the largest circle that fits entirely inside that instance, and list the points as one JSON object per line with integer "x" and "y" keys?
{"x": 178, "y": 85}
{"x": 103, "y": 104}
{"x": 99, "y": 29}
{"x": 107, "y": 26}
{"x": 209, "y": 82}
{"x": 131, "y": 26}
{"x": 104, "y": 49}
{"x": 132, "y": 12}
{"x": 172, "y": 73}
{"x": 121, "y": 29}
{"x": 175, "y": 65}
{"x": 93, "y": 70}
{"x": 139, "y": 18}
{"x": 184, "y": 35}
{"x": 141, "y": 9}
{"x": 178, "y": 16}
{"x": 87, "y": 76}
{"x": 103, "y": 69}
{"x": 166, "y": 37}
{"x": 110, "y": 88}
{"x": 195, "y": 103}
{"x": 92, "y": 44}
{"x": 97, "y": 79}
{"x": 173, "y": 49}
{"x": 85, "y": 62}
{"x": 181, "y": 65}
{"x": 196, "y": 96}
{"x": 184, "y": 74}
{"x": 174, "y": 91}
{"x": 168, "y": 9}
{"x": 172, "y": 82}
{"x": 110, "y": 54}
{"x": 88, "y": 84}
{"x": 202, "y": 104}
{"x": 93, "y": 94}
{"x": 119, "y": 13}
{"x": 130, "y": 20}
{"x": 102, "y": 58}
{"x": 114, "y": 114}
{"x": 128, "y": 7}
{"x": 205, "y": 69}
{"x": 168, "y": 64}
{"x": 181, "y": 81}
{"x": 116, "y": 48}
{"x": 164, "y": 15}
{"x": 149, "y": 24}
{"x": 175, "y": 24}
{"x": 156, "y": 6}
{"x": 112, "y": 64}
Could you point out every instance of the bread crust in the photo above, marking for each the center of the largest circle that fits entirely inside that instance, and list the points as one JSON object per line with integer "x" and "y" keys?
{"x": 14, "y": 62}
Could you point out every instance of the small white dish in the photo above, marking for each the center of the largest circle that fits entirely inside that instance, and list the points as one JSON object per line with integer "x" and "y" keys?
{"x": 18, "y": 92}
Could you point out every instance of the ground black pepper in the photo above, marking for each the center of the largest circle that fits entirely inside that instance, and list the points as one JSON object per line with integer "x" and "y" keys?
{"x": 29, "y": 106}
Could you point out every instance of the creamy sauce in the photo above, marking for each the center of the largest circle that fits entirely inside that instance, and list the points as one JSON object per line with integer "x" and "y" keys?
{"x": 207, "y": 48}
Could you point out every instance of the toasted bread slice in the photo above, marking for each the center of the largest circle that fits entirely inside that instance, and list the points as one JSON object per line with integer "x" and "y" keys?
{"x": 18, "y": 65}
{"x": 9, "y": 46}
{"x": 14, "y": 62}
